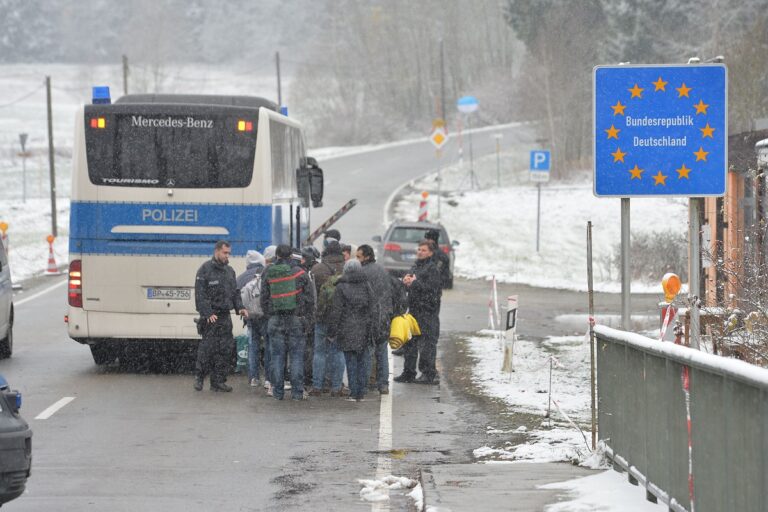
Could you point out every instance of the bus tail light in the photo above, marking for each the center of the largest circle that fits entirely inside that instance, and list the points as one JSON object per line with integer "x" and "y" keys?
{"x": 392, "y": 247}
{"x": 245, "y": 126}
{"x": 75, "y": 291}
{"x": 98, "y": 122}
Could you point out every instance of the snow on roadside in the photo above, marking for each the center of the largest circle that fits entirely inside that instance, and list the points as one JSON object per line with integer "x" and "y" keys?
{"x": 526, "y": 390}
{"x": 607, "y": 491}
{"x": 497, "y": 227}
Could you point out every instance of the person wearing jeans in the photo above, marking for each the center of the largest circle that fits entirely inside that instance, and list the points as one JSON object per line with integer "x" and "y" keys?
{"x": 382, "y": 313}
{"x": 328, "y": 360}
{"x": 286, "y": 337}
{"x": 289, "y": 303}
{"x": 257, "y": 341}
{"x": 350, "y": 325}
{"x": 358, "y": 369}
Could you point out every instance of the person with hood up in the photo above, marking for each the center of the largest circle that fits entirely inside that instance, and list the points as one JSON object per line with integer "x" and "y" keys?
{"x": 351, "y": 325}
{"x": 381, "y": 284}
{"x": 327, "y": 359}
{"x": 257, "y": 325}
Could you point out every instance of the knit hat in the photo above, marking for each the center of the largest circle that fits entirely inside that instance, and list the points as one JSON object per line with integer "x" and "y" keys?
{"x": 352, "y": 266}
{"x": 253, "y": 258}
{"x": 269, "y": 252}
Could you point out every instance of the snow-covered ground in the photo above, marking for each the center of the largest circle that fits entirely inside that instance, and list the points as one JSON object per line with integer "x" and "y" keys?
{"x": 496, "y": 227}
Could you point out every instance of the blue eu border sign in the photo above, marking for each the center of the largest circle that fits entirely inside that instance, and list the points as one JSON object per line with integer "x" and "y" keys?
{"x": 660, "y": 130}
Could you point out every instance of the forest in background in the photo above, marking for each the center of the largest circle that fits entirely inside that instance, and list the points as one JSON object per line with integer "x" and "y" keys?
{"x": 366, "y": 71}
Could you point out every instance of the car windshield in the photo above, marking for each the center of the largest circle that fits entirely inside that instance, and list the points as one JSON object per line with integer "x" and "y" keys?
{"x": 408, "y": 235}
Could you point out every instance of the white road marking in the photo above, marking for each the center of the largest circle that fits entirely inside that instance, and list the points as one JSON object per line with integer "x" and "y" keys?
{"x": 41, "y": 292}
{"x": 384, "y": 461}
{"x": 55, "y": 407}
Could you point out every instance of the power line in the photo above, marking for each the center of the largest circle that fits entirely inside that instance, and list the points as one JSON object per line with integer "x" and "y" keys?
{"x": 17, "y": 100}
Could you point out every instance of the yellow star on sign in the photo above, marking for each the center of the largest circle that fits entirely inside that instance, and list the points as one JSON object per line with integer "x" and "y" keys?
{"x": 660, "y": 179}
{"x": 707, "y": 131}
{"x": 682, "y": 172}
{"x": 701, "y": 154}
{"x": 637, "y": 92}
{"x": 660, "y": 85}
{"x": 636, "y": 173}
{"x": 613, "y": 132}
{"x": 683, "y": 90}
{"x": 618, "y": 155}
{"x": 701, "y": 107}
{"x": 618, "y": 108}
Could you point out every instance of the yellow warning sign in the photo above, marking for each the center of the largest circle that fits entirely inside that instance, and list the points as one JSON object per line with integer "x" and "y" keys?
{"x": 438, "y": 137}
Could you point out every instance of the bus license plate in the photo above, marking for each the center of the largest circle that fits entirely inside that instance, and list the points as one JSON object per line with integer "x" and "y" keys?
{"x": 169, "y": 293}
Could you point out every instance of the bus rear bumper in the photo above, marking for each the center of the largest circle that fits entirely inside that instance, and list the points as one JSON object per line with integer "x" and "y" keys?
{"x": 89, "y": 326}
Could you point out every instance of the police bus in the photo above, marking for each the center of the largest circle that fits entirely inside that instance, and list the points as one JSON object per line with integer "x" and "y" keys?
{"x": 156, "y": 181}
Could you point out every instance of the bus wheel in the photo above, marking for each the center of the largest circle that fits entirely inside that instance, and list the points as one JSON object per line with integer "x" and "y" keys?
{"x": 102, "y": 353}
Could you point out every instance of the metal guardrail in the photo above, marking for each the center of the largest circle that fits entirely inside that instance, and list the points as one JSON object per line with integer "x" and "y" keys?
{"x": 642, "y": 422}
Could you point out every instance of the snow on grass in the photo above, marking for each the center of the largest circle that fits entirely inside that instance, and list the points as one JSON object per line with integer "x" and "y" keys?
{"x": 497, "y": 227}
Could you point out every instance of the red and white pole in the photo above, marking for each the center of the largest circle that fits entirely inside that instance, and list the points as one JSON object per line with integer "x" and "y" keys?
{"x": 52, "y": 269}
{"x": 423, "y": 207}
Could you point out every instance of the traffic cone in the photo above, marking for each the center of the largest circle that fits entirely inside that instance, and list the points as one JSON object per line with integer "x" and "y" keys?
{"x": 53, "y": 269}
{"x": 423, "y": 206}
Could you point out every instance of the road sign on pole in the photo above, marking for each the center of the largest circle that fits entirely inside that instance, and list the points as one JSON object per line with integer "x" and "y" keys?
{"x": 438, "y": 138}
{"x": 660, "y": 130}
{"x": 540, "y": 165}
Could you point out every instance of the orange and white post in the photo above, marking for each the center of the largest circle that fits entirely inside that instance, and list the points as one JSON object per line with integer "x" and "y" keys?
{"x": 52, "y": 269}
{"x": 423, "y": 207}
{"x": 4, "y": 234}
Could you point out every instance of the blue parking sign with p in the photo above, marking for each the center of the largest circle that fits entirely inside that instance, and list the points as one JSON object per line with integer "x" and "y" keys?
{"x": 540, "y": 160}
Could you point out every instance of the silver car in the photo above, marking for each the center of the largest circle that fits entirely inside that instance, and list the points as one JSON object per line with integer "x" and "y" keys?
{"x": 397, "y": 248}
{"x": 6, "y": 306}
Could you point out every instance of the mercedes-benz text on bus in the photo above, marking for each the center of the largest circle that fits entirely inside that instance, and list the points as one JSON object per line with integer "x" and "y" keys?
{"x": 156, "y": 181}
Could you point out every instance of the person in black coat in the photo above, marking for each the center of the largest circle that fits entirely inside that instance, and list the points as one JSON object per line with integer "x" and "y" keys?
{"x": 381, "y": 284}
{"x": 424, "y": 296}
{"x": 442, "y": 260}
{"x": 351, "y": 323}
{"x": 216, "y": 294}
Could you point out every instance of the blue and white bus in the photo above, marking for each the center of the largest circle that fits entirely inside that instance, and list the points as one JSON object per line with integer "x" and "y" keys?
{"x": 156, "y": 181}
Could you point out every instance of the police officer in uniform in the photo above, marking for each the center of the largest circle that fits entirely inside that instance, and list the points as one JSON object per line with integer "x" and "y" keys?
{"x": 216, "y": 294}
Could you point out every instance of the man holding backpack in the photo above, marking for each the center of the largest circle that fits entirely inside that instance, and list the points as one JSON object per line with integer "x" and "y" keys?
{"x": 327, "y": 355}
{"x": 288, "y": 302}
{"x": 249, "y": 284}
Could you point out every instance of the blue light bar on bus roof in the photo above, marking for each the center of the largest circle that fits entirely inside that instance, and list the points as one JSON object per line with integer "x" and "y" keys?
{"x": 101, "y": 95}
{"x": 284, "y": 110}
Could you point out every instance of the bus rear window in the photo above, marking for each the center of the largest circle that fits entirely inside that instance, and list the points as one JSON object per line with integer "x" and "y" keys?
{"x": 179, "y": 151}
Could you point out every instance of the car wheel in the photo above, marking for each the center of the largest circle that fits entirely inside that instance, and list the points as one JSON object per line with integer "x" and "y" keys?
{"x": 102, "y": 353}
{"x": 6, "y": 345}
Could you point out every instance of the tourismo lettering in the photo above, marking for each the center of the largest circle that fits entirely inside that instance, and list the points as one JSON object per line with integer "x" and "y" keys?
{"x": 168, "y": 215}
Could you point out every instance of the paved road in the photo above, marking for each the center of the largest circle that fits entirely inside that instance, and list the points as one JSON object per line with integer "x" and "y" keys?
{"x": 137, "y": 441}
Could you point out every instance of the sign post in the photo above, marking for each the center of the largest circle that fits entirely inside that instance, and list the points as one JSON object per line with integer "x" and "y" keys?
{"x": 540, "y": 165}
{"x": 23, "y": 142}
{"x": 660, "y": 131}
{"x": 438, "y": 138}
{"x": 468, "y": 105}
